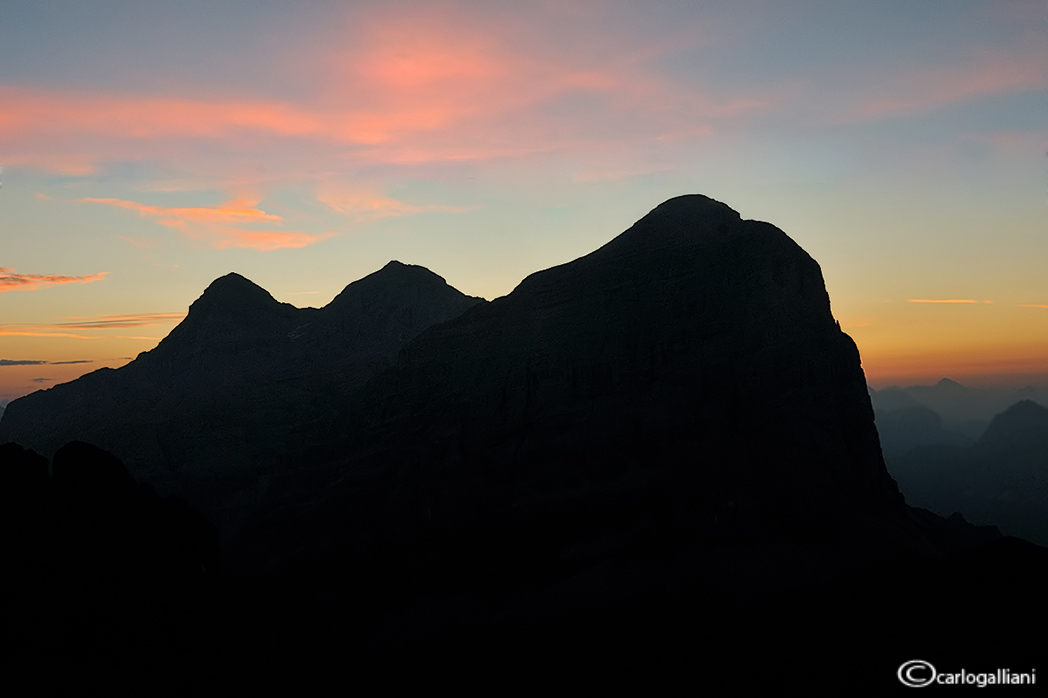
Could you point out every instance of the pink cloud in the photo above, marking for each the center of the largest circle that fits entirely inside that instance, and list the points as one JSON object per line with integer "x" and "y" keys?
{"x": 430, "y": 85}
{"x": 10, "y": 281}
{"x": 364, "y": 205}
{"x": 985, "y": 74}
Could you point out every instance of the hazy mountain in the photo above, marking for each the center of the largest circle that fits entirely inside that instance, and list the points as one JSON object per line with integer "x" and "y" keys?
{"x": 1001, "y": 479}
{"x": 210, "y": 411}
{"x": 964, "y": 411}
{"x": 909, "y": 427}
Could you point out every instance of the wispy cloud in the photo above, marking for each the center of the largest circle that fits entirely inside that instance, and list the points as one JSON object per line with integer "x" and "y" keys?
{"x": 42, "y": 380}
{"x": 1033, "y": 305}
{"x": 216, "y": 226}
{"x": 983, "y": 74}
{"x": 11, "y": 281}
{"x": 231, "y": 212}
{"x": 104, "y": 322}
{"x": 387, "y": 86}
{"x": 10, "y": 362}
{"x": 945, "y": 300}
{"x": 362, "y": 206}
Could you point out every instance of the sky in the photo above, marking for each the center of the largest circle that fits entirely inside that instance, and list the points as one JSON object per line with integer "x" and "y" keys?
{"x": 149, "y": 148}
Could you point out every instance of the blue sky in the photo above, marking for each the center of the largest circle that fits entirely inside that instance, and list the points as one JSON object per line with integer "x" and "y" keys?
{"x": 148, "y": 148}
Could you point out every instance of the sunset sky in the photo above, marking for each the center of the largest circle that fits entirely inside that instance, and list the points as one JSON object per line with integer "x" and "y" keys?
{"x": 148, "y": 148}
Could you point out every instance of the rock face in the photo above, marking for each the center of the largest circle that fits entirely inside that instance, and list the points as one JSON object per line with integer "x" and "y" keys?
{"x": 685, "y": 383}
{"x": 210, "y": 410}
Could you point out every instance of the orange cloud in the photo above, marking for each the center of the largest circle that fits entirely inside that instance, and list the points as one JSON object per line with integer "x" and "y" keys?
{"x": 1032, "y": 305}
{"x": 10, "y": 281}
{"x": 231, "y": 212}
{"x": 215, "y": 226}
{"x": 265, "y": 241}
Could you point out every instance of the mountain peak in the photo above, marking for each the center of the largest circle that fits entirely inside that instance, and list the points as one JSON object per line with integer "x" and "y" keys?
{"x": 235, "y": 293}
{"x": 229, "y": 302}
{"x": 1023, "y": 421}
{"x": 948, "y": 384}
{"x": 391, "y": 281}
{"x": 694, "y": 205}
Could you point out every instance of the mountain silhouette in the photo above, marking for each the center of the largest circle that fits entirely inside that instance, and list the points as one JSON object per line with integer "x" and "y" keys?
{"x": 687, "y": 381}
{"x": 209, "y": 411}
{"x": 661, "y": 456}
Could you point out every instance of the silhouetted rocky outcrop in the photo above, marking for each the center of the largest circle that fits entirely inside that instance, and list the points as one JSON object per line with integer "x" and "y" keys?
{"x": 677, "y": 408}
{"x": 660, "y": 457}
{"x": 210, "y": 411}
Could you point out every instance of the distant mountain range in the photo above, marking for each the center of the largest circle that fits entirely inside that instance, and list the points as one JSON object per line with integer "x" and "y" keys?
{"x": 984, "y": 458}
{"x": 1001, "y": 478}
{"x": 961, "y": 410}
{"x": 661, "y": 455}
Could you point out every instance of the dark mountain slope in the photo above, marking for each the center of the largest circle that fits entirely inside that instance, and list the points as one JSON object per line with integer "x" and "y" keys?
{"x": 684, "y": 386}
{"x": 209, "y": 411}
